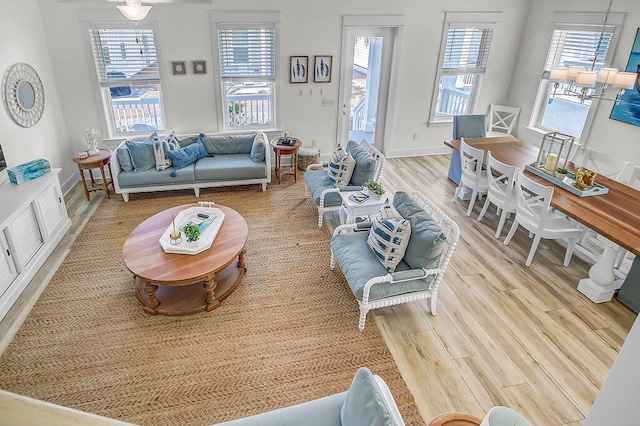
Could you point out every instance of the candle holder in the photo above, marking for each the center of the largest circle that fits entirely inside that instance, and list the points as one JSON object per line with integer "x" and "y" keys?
{"x": 555, "y": 152}
{"x": 175, "y": 236}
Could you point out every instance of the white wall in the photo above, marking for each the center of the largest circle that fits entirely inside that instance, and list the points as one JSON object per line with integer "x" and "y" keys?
{"x": 606, "y": 135}
{"x": 22, "y": 39}
{"x": 315, "y": 29}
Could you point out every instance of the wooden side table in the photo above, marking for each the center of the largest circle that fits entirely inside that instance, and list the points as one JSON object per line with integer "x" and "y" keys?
{"x": 97, "y": 161}
{"x": 291, "y": 150}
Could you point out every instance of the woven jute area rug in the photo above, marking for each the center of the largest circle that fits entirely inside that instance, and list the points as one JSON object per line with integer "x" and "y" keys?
{"x": 288, "y": 333}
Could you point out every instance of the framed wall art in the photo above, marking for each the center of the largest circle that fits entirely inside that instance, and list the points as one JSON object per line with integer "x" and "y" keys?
{"x": 199, "y": 67}
{"x": 178, "y": 67}
{"x": 299, "y": 67}
{"x": 322, "y": 69}
{"x": 628, "y": 110}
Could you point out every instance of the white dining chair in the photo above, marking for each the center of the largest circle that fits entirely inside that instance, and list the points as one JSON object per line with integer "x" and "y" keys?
{"x": 634, "y": 182}
{"x": 601, "y": 163}
{"x": 535, "y": 214}
{"x": 501, "y": 190}
{"x": 502, "y": 120}
{"x": 473, "y": 176}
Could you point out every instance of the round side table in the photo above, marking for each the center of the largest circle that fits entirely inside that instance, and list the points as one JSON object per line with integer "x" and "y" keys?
{"x": 96, "y": 161}
{"x": 291, "y": 150}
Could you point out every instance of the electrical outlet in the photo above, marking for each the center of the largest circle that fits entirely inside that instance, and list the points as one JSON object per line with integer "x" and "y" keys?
{"x": 328, "y": 102}
{"x": 313, "y": 142}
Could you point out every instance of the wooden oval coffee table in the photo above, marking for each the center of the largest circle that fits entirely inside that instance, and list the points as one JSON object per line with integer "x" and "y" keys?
{"x": 183, "y": 284}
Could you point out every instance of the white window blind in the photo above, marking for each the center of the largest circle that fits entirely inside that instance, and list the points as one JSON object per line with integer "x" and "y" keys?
{"x": 124, "y": 53}
{"x": 466, "y": 49}
{"x": 572, "y": 47}
{"x": 247, "y": 52}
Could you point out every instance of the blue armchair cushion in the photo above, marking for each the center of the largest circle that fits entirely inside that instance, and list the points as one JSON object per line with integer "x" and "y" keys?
{"x": 365, "y": 167}
{"x": 124, "y": 158}
{"x": 341, "y": 166}
{"x": 317, "y": 181}
{"x": 365, "y": 404}
{"x": 184, "y": 156}
{"x": 142, "y": 156}
{"x": 258, "y": 149}
{"x": 388, "y": 239}
{"x": 427, "y": 239}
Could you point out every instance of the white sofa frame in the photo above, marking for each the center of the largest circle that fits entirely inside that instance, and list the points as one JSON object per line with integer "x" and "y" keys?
{"x": 367, "y": 146}
{"x": 452, "y": 233}
{"x": 115, "y": 168}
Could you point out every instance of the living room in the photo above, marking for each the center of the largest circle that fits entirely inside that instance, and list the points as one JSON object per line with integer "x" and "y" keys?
{"x": 56, "y": 46}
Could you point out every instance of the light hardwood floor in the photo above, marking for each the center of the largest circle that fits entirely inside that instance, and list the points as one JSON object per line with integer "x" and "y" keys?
{"x": 505, "y": 334}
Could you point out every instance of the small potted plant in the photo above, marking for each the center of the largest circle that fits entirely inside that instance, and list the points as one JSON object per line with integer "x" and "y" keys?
{"x": 375, "y": 189}
{"x": 192, "y": 232}
{"x": 561, "y": 172}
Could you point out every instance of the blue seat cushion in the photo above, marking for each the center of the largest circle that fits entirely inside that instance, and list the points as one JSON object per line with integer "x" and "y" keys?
{"x": 358, "y": 264}
{"x": 365, "y": 167}
{"x": 427, "y": 239}
{"x": 153, "y": 177}
{"x": 317, "y": 181}
{"x": 229, "y": 167}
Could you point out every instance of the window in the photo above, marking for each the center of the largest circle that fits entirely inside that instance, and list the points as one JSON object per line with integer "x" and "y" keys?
{"x": 128, "y": 76}
{"x": 572, "y": 43}
{"x": 463, "y": 60}
{"x": 246, "y": 54}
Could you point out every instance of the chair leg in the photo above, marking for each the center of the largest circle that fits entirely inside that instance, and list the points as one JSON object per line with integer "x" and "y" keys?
{"x": 503, "y": 218}
{"x": 623, "y": 256}
{"x": 472, "y": 201}
{"x": 332, "y": 264}
{"x": 320, "y": 217}
{"x": 362, "y": 319}
{"x": 456, "y": 192}
{"x": 534, "y": 247}
{"x": 512, "y": 231}
{"x": 432, "y": 306}
{"x": 484, "y": 209}
{"x": 571, "y": 245}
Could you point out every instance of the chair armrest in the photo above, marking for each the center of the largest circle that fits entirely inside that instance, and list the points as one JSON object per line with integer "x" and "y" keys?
{"x": 412, "y": 274}
{"x": 322, "y": 165}
{"x": 351, "y": 188}
{"x": 364, "y": 225}
{"x": 345, "y": 228}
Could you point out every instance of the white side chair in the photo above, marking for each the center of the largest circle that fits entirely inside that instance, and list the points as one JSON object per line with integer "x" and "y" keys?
{"x": 535, "y": 214}
{"x": 473, "y": 176}
{"x": 502, "y": 120}
{"x": 601, "y": 163}
{"x": 501, "y": 179}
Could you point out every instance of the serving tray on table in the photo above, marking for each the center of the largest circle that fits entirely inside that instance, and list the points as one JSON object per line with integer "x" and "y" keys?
{"x": 568, "y": 183}
{"x": 209, "y": 228}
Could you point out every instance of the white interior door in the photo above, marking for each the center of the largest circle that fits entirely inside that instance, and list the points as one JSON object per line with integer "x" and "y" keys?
{"x": 365, "y": 83}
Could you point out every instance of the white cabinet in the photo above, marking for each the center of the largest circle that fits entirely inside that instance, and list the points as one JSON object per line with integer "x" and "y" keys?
{"x": 33, "y": 220}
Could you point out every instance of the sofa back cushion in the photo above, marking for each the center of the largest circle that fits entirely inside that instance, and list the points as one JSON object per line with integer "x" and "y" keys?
{"x": 258, "y": 148}
{"x": 427, "y": 239}
{"x": 365, "y": 403}
{"x": 227, "y": 144}
{"x": 142, "y": 156}
{"x": 365, "y": 167}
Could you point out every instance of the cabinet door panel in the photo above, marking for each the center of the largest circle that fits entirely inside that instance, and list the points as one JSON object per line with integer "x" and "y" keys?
{"x": 7, "y": 269}
{"x": 52, "y": 211}
{"x": 24, "y": 236}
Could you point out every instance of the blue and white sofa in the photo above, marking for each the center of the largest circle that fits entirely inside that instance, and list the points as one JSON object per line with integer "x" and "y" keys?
{"x": 161, "y": 163}
{"x": 367, "y": 402}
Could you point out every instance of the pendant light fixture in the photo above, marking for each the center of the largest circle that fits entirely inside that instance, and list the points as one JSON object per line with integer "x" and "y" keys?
{"x": 134, "y": 10}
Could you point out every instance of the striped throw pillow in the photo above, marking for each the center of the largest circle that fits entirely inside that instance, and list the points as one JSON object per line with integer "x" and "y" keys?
{"x": 388, "y": 239}
{"x": 160, "y": 148}
{"x": 341, "y": 165}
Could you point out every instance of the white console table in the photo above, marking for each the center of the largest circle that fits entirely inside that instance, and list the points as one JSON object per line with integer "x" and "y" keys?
{"x": 33, "y": 220}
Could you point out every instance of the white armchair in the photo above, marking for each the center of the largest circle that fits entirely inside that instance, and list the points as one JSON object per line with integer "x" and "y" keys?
{"x": 418, "y": 275}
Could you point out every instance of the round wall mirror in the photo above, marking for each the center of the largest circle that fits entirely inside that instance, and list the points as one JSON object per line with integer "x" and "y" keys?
{"x": 23, "y": 94}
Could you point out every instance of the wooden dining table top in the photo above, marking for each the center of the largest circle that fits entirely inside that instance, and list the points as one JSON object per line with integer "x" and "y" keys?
{"x": 615, "y": 215}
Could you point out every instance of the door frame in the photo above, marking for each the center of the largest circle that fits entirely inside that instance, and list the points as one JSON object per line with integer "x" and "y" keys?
{"x": 350, "y": 24}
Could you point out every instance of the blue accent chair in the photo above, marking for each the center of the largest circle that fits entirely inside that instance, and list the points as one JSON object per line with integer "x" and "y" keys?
{"x": 465, "y": 126}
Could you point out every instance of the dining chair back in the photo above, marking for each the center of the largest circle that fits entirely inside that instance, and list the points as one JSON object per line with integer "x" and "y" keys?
{"x": 465, "y": 126}
{"x": 535, "y": 214}
{"x": 501, "y": 190}
{"x": 601, "y": 163}
{"x": 502, "y": 120}
{"x": 473, "y": 176}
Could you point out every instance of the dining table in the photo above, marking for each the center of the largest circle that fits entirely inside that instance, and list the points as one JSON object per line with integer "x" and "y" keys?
{"x": 615, "y": 216}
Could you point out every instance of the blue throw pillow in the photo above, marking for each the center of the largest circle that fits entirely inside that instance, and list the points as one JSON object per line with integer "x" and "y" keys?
{"x": 142, "y": 156}
{"x": 258, "y": 149}
{"x": 184, "y": 156}
{"x": 365, "y": 403}
{"x": 124, "y": 158}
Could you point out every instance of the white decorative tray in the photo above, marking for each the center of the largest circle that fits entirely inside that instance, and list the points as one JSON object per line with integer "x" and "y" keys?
{"x": 207, "y": 235}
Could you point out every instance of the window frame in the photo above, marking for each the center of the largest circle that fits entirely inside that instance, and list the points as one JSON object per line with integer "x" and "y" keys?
{"x": 480, "y": 20}
{"x": 107, "y": 19}
{"x": 247, "y": 20}
{"x": 577, "y": 22}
